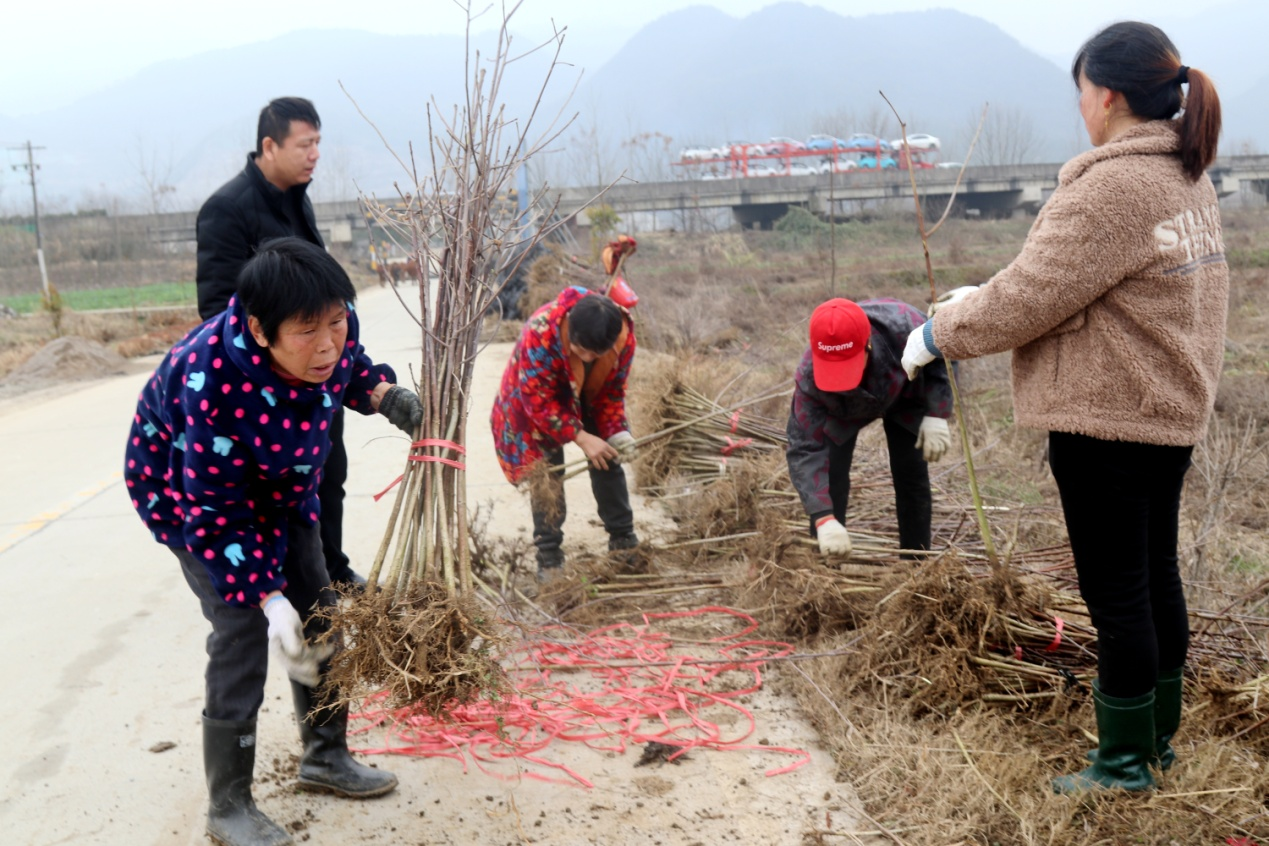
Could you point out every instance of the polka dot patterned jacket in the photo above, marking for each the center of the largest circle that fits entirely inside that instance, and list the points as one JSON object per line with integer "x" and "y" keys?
{"x": 223, "y": 450}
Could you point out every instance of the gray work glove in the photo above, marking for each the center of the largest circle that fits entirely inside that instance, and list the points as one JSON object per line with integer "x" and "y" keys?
{"x": 953, "y": 296}
{"x": 625, "y": 445}
{"x": 402, "y": 407}
{"x": 934, "y": 438}
{"x": 286, "y": 640}
{"x": 833, "y": 537}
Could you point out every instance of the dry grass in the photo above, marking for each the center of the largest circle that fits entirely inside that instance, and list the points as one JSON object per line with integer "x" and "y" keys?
{"x": 947, "y": 736}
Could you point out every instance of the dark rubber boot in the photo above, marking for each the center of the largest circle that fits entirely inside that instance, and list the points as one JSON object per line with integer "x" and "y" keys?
{"x": 1125, "y": 746}
{"x": 327, "y": 765}
{"x": 1167, "y": 715}
{"x": 229, "y": 757}
{"x": 625, "y": 552}
{"x": 617, "y": 543}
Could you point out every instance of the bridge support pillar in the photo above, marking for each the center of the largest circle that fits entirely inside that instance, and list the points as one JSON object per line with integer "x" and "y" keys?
{"x": 759, "y": 216}
{"x": 1259, "y": 186}
{"x": 1227, "y": 184}
{"x": 996, "y": 204}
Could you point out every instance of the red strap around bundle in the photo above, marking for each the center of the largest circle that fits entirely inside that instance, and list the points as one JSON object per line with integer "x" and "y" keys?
{"x": 428, "y": 442}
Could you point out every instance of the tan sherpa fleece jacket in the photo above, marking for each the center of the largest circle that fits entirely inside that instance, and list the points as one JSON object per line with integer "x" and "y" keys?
{"x": 1115, "y": 309}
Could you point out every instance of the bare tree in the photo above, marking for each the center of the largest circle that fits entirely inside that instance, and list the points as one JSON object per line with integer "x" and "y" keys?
{"x": 878, "y": 121}
{"x": 648, "y": 156}
{"x": 589, "y": 154}
{"x": 1244, "y": 147}
{"x": 1009, "y": 136}
{"x": 154, "y": 170}
{"x": 839, "y": 123}
{"x": 334, "y": 182}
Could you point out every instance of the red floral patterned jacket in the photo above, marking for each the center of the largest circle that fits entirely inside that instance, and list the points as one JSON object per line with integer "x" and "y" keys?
{"x": 545, "y": 391}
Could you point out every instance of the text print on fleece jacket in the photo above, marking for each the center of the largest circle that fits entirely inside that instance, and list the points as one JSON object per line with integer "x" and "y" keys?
{"x": 223, "y": 450}
{"x": 1115, "y": 308}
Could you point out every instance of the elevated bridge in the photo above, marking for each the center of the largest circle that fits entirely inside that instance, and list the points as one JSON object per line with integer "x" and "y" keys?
{"x": 760, "y": 201}
{"x": 994, "y": 191}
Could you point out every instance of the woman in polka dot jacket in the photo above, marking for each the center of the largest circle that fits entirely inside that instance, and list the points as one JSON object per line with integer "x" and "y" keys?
{"x": 223, "y": 464}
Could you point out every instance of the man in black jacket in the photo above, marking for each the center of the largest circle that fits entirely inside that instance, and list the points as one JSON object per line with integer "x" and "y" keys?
{"x": 269, "y": 199}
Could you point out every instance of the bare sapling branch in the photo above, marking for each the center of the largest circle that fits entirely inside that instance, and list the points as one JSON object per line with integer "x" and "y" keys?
{"x": 966, "y": 447}
{"x": 424, "y": 635}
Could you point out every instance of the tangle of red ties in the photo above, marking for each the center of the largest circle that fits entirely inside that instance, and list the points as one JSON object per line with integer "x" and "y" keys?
{"x": 609, "y": 688}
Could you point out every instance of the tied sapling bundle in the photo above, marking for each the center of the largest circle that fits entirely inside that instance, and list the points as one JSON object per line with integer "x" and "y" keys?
{"x": 422, "y": 636}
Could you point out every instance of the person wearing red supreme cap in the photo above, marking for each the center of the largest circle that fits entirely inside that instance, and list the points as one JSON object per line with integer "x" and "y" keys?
{"x": 850, "y": 376}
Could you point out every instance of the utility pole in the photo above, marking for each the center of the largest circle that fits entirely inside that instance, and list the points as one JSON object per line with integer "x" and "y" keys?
{"x": 31, "y": 167}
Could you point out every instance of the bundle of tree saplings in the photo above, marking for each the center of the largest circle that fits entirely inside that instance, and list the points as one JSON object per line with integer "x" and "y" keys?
{"x": 424, "y": 637}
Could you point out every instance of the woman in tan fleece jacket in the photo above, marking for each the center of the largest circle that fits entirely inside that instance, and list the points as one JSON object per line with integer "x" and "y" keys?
{"x": 1115, "y": 312}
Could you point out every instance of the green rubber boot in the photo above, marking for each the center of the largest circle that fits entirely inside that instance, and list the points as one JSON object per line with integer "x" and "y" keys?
{"x": 1125, "y": 746}
{"x": 1167, "y": 715}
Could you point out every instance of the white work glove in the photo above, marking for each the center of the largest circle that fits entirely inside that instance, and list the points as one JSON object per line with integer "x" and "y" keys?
{"x": 917, "y": 352}
{"x": 953, "y": 296}
{"x": 625, "y": 445}
{"x": 833, "y": 537}
{"x": 286, "y": 639}
{"x": 933, "y": 439}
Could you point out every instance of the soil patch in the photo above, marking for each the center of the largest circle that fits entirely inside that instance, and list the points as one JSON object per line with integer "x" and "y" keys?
{"x": 68, "y": 359}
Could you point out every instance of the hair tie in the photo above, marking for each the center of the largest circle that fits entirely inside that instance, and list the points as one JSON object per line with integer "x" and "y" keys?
{"x": 1182, "y": 75}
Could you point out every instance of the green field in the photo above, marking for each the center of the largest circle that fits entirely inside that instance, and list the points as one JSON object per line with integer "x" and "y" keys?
{"x": 156, "y": 294}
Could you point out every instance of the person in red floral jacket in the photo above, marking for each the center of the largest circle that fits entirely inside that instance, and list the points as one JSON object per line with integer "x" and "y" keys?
{"x": 566, "y": 382}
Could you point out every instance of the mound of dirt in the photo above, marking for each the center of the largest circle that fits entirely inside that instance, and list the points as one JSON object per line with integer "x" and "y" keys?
{"x": 67, "y": 359}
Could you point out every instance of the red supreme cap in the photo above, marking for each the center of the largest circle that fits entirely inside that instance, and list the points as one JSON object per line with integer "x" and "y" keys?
{"x": 839, "y": 339}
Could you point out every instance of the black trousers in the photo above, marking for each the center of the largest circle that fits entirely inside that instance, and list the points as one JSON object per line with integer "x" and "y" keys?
{"x": 238, "y": 646}
{"x": 911, "y": 474}
{"x": 330, "y": 492}
{"x": 611, "y": 496}
{"x": 1122, "y": 503}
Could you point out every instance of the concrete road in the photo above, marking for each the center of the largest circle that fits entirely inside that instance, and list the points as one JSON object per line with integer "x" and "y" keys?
{"x": 103, "y": 663}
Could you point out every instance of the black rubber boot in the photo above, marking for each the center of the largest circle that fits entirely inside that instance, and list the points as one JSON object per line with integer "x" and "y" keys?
{"x": 229, "y": 757}
{"x": 617, "y": 543}
{"x": 1167, "y": 715}
{"x": 1125, "y": 746}
{"x": 327, "y": 765}
{"x": 626, "y": 553}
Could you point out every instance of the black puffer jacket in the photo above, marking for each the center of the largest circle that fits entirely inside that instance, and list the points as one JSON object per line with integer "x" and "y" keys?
{"x": 245, "y": 211}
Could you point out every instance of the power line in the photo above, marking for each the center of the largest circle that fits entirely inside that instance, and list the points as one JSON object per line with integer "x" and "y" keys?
{"x": 31, "y": 167}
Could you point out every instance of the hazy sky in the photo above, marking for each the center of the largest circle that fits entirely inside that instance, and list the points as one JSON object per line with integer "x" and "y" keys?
{"x": 53, "y": 52}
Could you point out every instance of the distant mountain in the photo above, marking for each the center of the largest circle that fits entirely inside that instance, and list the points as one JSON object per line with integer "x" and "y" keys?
{"x": 698, "y": 76}
{"x": 200, "y": 113}
{"x": 704, "y": 77}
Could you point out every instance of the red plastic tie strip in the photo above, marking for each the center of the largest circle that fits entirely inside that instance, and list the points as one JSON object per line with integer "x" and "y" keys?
{"x": 1059, "y": 624}
{"x": 732, "y": 446}
{"x": 735, "y": 420}
{"x": 395, "y": 482}
{"x": 436, "y": 458}
{"x": 620, "y": 685}
{"x": 428, "y": 442}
